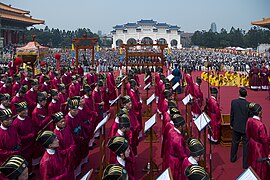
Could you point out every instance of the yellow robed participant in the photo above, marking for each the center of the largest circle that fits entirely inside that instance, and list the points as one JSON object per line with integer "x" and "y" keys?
{"x": 225, "y": 81}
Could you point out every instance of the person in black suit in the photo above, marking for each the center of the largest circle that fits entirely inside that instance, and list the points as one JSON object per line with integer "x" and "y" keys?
{"x": 239, "y": 116}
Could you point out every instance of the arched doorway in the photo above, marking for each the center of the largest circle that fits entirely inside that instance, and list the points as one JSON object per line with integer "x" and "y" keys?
{"x": 119, "y": 42}
{"x": 162, "y": 41}
{"x": 147, "y": 40}
{"x": 131, "y": 41}
{"x": 174, "y": 43}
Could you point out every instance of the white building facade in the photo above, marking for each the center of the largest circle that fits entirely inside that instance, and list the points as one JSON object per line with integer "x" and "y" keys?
{"x": 146, "y": 32}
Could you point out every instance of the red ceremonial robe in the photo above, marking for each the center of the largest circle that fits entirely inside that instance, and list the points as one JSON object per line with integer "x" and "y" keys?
{"x": 45, "y": 87}
{"x": 97, "y": 98}
{"x": 106, "y": 98}
{"x": 189, "y": 89}
{"x": 31, "y": 99}
{"x": 188, "y": 161}
{"x": 111, "y": 86}
{"x": 264, "y": 74}
{"x": 128, "y": 164}
{"x": 258, "y": 146}
{"x": 73, "y": 90}
{"x": 15, "y": 99}
{"x": 176, "y": 142}
{"x": 55, "y": 83}
{"x": 198, "y": 99}
{"x": 67, "y": 143}
{"x": 26, "y": 81}
{"x": 165, "y": 144}
{"x": 15, "y": 88}
{"x": 136, "y": 105}
{"x": 9, "y": 143}
{"x": 51, "y": 167}
{"x": 215, "y": 116}
{"x": 62, "y": 98}
{"x": 66, "y": 80}
{"x": 5, "y": 89}
{"x": 157, "y": 79}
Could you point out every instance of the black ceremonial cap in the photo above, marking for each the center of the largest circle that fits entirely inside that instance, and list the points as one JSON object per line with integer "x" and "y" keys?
{"x": 4, "y": 97}
{"x": 56, "y": 117}
{"x": 13, "y": 167}
{"x": 21, "y": 106}
{"x": 46, "y": 138}
{"x": 178, "y": 120}
{"x": 195, "y": 146}
{"x": 5, "y": 114}
{"x": 54, "y": 92}
{"x": 114, "y": 172}
{"x": 195, "y": 172}
{"x": 118, "y": 145}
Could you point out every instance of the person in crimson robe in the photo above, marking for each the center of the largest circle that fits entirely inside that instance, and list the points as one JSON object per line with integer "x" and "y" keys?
{"x": 164, "y": 105}
{"x": 90, "y": 109}
{"x": 254, "y": 82}
{"x": 4, "y": 101}
{"x": 197, "y": 172}
{"x": 19, "y": 97}
{"x": 122, "y": 131}
{"x": 56, "y": 80}
{"x": 46, "y": 86}
{"x": 74, "y": 123}
{"x": 168, "y": 125}
{"x": 10, "y": 143}
{"x": 130, "y": 78}
{"x": 189, "y": 88}
{"x": 17, "y": 84}
{"x": 27, "y": 79}
{"x": 74, "y": 89}
{"x": 12, "y": 68}
{"x": 15, "y": 167}
{"x": 114, "y": 126}
{"x": 134, "y": 123}
{"x": 40, "y": 114}
{"x": 105, "y": 94}
{"x": 111, "y": 84}
{"x": 3, "y": 79}
{"x": 161, "y": 87}
{"x": 215, "y": 115}
{"x": 62, "y": 98}
{"x": 99, "y": 103}
{"x": 42, "y": 75}
{"x": 114, "y": 171}
{"x": 66, "y": 79}
{"x": 31, "y": 97}
{"x": 177, "y": 149}
{"x": 92, "y": 78}
{"x": 84, "y": 117}
{"x": 124, "y": 156}
{"x": 136, "y": 103}
{"x": 264, "y": 74}
{"x": 24, "y": 126}
{"x": 196, "y": 107}
{"x": 54, "y": 106}
{"x": 80, "y": 70}
{"x": 196, "y": 151}
{"x": 51, "y": 73}
{"x": 66, "y": 141}
{"x": 258, "y": 141}
{"x": 7, "y": 87}
{"x": 52, "y": 164}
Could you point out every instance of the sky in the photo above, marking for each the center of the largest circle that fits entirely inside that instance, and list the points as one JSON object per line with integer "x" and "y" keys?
{"x": 189, "y": 15}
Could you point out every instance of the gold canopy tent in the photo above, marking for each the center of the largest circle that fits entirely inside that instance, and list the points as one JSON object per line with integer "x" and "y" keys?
{"x": 31, "y": 52}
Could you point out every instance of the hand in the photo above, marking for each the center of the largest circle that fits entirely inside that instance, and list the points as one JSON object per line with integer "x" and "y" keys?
{"x": 102, "y": 103}
{"x": 231, "y": 127}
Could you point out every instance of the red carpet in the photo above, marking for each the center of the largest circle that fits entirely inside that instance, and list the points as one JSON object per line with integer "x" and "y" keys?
{"x": 222, "y": 168}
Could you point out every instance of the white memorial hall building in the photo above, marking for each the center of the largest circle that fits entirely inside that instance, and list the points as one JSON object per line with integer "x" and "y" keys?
{"x": 146, "y": 32}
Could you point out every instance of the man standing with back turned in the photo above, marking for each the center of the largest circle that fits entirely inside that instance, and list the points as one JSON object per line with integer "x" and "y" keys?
{"x": 239, "y": 116}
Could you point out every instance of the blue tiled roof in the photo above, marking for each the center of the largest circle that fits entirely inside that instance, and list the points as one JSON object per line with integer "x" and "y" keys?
{"x": 131, "y": 25}
{"x": 118, "y": 27}
{"x": 142, "y": 21}
{"x": 174, "y": 27}
{"x": 162, "y": 25}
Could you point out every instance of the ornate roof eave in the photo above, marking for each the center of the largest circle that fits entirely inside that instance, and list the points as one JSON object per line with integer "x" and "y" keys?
{"x": 263, "y": 23}
{"x": 12, "y": 9}
{"x": 20, "y": 18}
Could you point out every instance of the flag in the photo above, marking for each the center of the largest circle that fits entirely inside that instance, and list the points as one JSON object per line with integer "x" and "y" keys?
{"x": 72, "y": 47}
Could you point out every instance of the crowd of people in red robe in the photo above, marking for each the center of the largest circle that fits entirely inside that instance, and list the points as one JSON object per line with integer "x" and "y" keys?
{"x": 50, "y": 118}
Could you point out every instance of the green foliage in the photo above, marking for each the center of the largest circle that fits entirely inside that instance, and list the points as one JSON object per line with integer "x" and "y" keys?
{"x": 58, "y": 38}
{"x": 236, "y": 37}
